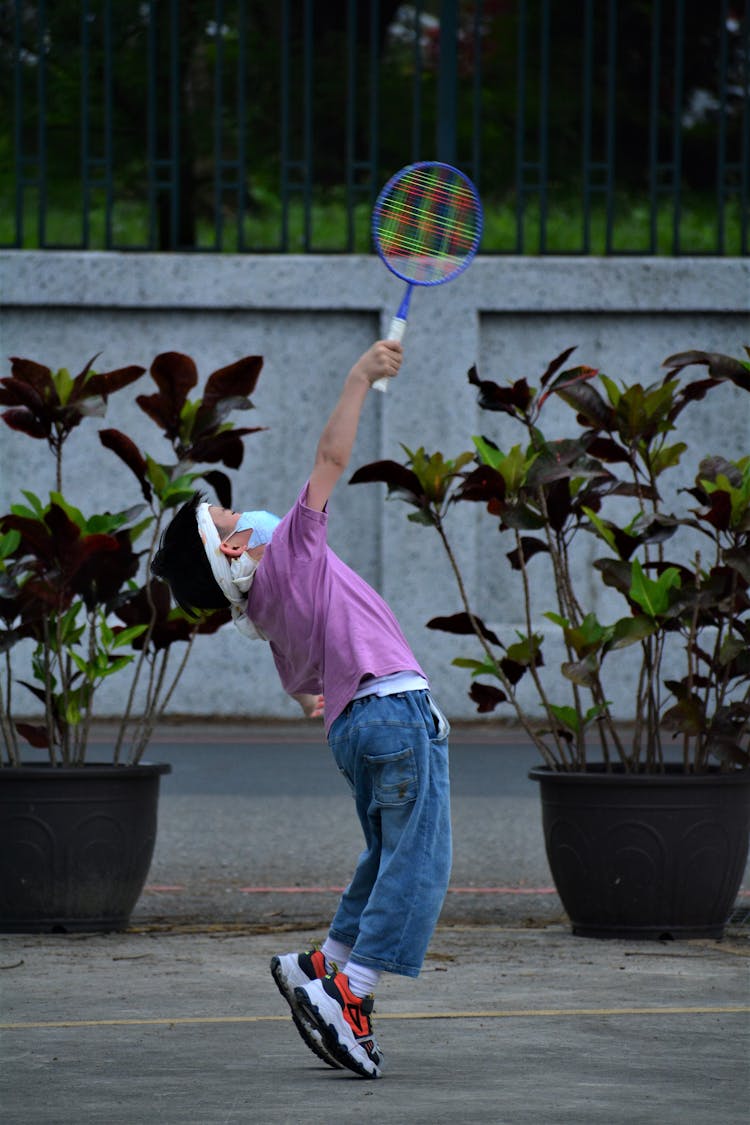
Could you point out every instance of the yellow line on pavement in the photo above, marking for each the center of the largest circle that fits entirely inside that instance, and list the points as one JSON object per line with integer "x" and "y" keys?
{"x": 490, "y": 1014}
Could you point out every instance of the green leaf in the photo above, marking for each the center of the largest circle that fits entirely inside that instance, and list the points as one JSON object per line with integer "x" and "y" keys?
{"x": 423, "y": 517}
{"x": 63, "y": 382}
{"x": 526, "y": 650}
{"x": 9, "y": 542}
{"x": 35, "y": 503}
{"x": 128, "y": 635}
{"x": 568, "y": 716}
{"x": 156, "y": 474}
{"x": 172, "y": 496}
{"x": 603, "y": 531}
{"x": 73, "y": 513}
{"x": 139, "y": 528}
{"x": 613, "y": 391}
{"x": 187, "y": 418}
{"x": 652, "y": 596}
{"x": 489, "y": 454}
{"x": 556, "y": 619}
{"x": 667, "y": 457}
{"x": 630, "y": 630}
{"x": 72, "y": 713}
{"x": 116, "y": 665}
{"x": 81, "y": 664}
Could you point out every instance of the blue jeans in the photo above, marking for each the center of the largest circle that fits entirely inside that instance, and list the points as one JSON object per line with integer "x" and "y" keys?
{"x": 393, "y": 751}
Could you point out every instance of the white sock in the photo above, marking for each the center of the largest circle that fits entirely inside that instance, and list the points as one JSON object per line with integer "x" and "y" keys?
{"x": 335, "y": 953}
{"x": 362, "y": 979}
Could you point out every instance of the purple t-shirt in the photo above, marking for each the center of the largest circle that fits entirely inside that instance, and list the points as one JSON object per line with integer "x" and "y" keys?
{"x": 327, "y": 627}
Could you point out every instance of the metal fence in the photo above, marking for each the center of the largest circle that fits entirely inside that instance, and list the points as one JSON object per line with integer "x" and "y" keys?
{"x": 590, "y": 126}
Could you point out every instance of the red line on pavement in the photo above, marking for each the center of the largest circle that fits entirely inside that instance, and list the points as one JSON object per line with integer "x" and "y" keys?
{"x": 316, "y": 890}
{"x": 451, "y": 890}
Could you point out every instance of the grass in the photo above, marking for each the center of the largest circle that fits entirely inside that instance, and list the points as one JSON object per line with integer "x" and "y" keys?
{"x": 325, "y": 226}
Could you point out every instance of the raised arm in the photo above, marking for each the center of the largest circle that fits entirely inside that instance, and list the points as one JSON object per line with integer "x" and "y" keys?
{"x": 383, "y": 359}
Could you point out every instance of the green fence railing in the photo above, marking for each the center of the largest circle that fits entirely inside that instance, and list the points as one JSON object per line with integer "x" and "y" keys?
{"x": 590, "y": 126}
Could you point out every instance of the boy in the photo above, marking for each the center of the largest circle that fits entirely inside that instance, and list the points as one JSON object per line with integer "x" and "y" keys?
{"x": 339, "y": 652}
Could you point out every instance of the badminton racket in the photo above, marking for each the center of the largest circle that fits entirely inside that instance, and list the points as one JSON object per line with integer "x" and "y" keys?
{"x": 426, "y": 226}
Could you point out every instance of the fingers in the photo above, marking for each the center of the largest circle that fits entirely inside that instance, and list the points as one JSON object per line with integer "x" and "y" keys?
{"x": 385, "y": 357}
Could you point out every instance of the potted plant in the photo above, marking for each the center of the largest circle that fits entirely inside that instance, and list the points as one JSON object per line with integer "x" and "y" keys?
{"x": 646, "y": 830}
{"x": 76, "y": 835}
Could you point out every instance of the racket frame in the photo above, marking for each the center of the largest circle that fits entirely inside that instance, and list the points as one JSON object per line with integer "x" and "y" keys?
{"x": 398, "y": 322}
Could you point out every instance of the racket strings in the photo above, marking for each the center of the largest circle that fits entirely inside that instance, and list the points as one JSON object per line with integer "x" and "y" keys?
{"x": 428, "y": 224}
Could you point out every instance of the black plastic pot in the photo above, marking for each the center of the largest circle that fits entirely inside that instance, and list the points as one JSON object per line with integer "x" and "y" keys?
{"x": 643, "y": 855}
{"x": 76, "y": 845}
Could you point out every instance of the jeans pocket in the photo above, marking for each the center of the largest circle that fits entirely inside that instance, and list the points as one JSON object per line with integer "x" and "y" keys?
{"x": 442, "y": 726}
{"x": 394, "y": 778}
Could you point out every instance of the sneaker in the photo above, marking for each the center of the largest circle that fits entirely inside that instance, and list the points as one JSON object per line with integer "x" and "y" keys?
{"x": 344, "y": 1022}
{"x": 290, "y": 971}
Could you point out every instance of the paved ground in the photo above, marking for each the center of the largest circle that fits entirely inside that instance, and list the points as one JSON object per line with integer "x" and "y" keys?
{"x": 513, "y": 1020}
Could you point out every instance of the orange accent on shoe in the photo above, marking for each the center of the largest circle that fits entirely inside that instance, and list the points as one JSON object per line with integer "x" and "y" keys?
{"x": 318, "y": 962}
{"x": 355, "y": 1013}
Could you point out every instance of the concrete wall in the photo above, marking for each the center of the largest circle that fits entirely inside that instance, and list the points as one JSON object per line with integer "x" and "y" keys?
{"x": 310, "y": 317}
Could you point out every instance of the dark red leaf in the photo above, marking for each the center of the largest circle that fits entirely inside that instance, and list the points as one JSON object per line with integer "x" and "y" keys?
{"x": 568, "y": 379}
{"x": 559, "y": 504}
{"x": 226, "y": 447}
{"x": 529, "y": 546}
{"x": 128, "y": 451}
{"x": 157, "y": 408}
{"x": 104, "y": 571}
{"x": 606, "y": 449}
{"x": 37, "y": 376}
{"x": 36, "y": 736}
{"x": 175, "y": 375}
{"x": 513, "y": 671}
{"x": 397, "y": 477}
{"x": 17, "y": 392}
{"x": 587, "y": 401}
{"x": 104, "y": 383}
{"x": 555, "y": 365}
{"x": 482, "y": 485}
{"x": 719, "y": 513}
{"x": 719, "y": 366}
{"x": 24, "y": 422}
{"x": 238, "y": 380}
{"x": 509, "y": 400}
{"x": 486, "y": 696}
{"x": 461, "y": 624}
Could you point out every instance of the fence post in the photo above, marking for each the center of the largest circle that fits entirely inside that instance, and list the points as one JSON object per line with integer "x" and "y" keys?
{"x": 446, "y": 92}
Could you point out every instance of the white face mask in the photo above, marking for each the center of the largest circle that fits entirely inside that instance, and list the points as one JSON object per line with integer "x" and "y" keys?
{"x": 263, "y": 524}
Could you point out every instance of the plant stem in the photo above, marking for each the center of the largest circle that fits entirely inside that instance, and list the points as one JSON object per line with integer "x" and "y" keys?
{"x": 156, "y": 714}
{"x": 538, "y": 742}
{"x": 83, "y": 728}
{"x": 146, "y": 639}
{"x": 9, "y": 733}
{"x": 561, "y": 750}
{"x": 48, "y": 704}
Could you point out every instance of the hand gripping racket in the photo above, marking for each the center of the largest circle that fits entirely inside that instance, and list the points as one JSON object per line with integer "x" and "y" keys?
{"x": 426, "y": 226}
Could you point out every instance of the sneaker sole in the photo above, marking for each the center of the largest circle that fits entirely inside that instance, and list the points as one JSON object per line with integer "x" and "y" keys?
{"x": 323, "y": 1016}
{"x": 308, "y": 1031}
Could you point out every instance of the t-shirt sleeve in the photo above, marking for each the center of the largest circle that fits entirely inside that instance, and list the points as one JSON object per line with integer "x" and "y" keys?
{"x": 304, "y": 530}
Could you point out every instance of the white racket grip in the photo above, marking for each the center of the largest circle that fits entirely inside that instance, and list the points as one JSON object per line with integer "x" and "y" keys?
{"x": 395, "y": 332}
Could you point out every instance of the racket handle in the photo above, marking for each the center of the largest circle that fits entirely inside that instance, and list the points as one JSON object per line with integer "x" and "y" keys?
{"x": 395, "y": 332}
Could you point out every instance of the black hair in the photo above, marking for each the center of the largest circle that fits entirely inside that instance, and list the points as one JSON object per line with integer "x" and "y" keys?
{"x": 181, "y": 561}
